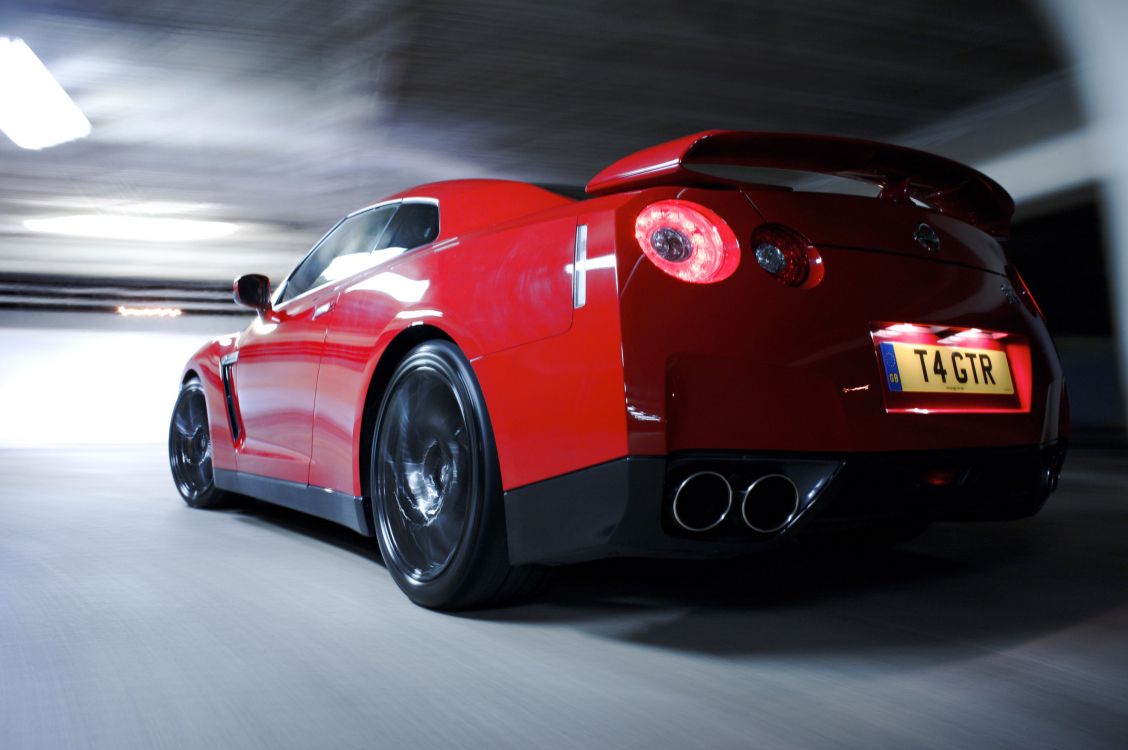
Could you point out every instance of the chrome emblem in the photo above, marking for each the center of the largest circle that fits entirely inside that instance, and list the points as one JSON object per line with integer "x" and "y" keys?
{"x": 927, "y": 238}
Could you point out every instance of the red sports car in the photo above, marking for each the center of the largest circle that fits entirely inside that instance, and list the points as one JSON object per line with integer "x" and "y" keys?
{"x": 708, "y": 355}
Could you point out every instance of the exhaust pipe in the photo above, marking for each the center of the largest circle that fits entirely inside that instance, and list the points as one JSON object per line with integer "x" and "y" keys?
{"x": 702, "y": 501}
{"x": 770, "y": 503}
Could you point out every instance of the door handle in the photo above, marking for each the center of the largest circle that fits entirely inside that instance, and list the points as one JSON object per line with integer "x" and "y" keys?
{"x": 322, "y": 309}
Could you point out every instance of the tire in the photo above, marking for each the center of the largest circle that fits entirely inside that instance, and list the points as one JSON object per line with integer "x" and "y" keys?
{"x": 189, "y": 450}
{"x": 436, "y": 487}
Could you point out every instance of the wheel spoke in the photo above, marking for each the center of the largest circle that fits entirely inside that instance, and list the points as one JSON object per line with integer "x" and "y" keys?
{"x": 423, "y": 542}
{"x": 182, "y": 420}
{"x": 446, "y": 529}
{"x": 198, "y": 410}
{"x": 399, "y": 421}
{"x": 203, "y": 474}
{"x": 416, "y": 403}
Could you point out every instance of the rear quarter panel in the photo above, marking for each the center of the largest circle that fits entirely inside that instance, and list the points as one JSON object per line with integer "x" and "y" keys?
{"x": 502, "y": 295}
{"x": 557, "y": 403}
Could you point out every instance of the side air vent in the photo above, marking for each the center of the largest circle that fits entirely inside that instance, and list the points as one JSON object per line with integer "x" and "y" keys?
{"x": 227, "y": 374}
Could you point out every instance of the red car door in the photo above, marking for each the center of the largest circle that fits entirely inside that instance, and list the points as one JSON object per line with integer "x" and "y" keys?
{"x": 279, "y": 355}
{"x": 276, "y": 379}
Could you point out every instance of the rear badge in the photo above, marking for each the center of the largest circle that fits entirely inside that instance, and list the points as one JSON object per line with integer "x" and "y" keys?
{"x": 927, "y": 238}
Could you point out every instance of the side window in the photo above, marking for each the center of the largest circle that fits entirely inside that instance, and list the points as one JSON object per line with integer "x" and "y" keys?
{"x": 346, "y": 250}
{"x": 414, "y": 225}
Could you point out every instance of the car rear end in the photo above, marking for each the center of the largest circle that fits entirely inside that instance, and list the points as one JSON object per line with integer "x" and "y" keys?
{"x": 862, "y": 359}
{"x": 796, "y": 361}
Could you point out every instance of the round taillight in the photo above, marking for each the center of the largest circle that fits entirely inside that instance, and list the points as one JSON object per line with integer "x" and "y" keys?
{"x": 783, "y": 252}
{"x": 688, "y": 241}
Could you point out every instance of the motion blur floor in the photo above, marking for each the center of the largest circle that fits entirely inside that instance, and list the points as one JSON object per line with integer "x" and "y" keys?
{"x": 128, "y": 620}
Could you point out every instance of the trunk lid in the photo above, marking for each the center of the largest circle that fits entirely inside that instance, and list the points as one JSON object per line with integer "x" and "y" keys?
{"x": 877, "y": 225}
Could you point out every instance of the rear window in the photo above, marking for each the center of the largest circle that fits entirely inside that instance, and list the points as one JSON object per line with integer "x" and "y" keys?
{"x": 414, "y": 225}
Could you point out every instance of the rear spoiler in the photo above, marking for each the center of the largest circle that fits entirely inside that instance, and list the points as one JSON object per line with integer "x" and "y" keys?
{"x": 904, "y": 174}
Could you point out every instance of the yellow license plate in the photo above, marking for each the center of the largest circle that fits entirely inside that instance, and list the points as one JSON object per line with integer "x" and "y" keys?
{"x": 945, "y": 369}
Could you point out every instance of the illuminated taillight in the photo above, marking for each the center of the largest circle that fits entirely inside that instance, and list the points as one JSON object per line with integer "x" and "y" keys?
{"x": 784, "y": 253}
{"x": 688, "y": 241}
{"x": 1023, "y": 292}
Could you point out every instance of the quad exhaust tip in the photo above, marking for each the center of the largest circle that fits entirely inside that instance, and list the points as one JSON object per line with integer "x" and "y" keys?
{"x": 702, "y": 501}
{"x": 770, "y": 503}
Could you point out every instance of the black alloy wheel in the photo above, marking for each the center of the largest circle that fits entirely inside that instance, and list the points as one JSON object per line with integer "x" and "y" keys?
{"x": 190, "y": 450}
{"x": 436, "y": 486}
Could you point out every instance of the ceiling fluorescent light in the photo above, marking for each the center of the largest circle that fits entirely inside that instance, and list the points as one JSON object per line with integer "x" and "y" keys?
{"x": 144, "y": 228}
{"x": 150, "y": 312}
{"x": 35, "y": 112}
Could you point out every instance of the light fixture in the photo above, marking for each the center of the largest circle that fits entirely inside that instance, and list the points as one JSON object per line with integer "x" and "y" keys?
{"x": 35, "y": 111}
{"x": 149, "y": 312}
{"x": 144, "y": 228}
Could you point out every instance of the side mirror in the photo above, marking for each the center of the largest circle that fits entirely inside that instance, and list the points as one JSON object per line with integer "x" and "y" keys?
{"x": 253, "y": 290}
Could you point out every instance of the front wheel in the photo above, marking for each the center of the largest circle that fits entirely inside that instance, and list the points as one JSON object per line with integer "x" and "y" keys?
{"x": 190, "y": 452}
{"x": 436, "y": 486}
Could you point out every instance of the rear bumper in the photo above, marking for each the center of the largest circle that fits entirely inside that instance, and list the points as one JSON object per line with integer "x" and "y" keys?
{"x": 623, "y": 508}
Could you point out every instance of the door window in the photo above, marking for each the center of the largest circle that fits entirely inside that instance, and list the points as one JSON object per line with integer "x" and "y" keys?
{"x": 344, "y": 251}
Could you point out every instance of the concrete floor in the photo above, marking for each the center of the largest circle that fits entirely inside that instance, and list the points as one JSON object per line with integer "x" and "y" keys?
{"x": 128, "y": 620}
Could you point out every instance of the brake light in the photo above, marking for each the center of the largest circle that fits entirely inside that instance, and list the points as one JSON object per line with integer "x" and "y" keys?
{"x": 688, "y": 241}
{"x": 1023, "y": 291}
{"x": 785, "y": 254}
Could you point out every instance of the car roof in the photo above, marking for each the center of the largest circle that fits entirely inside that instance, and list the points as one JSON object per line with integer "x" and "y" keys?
{"x": 468, "y": 205}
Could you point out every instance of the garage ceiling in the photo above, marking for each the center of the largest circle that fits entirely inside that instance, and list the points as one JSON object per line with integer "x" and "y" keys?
{"x": 282, "y": 115}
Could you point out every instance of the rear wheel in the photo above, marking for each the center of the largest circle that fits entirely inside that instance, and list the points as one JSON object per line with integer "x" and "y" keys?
{"x": 436, "y": 486}
{"x": 189, "y": 450}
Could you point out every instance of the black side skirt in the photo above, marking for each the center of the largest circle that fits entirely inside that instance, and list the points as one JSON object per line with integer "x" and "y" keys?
{"x": 331, "y": 505}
